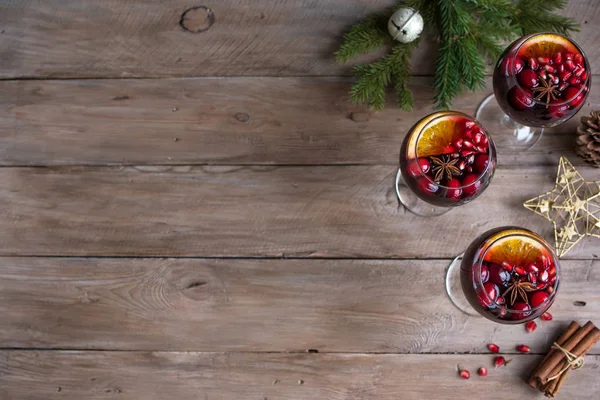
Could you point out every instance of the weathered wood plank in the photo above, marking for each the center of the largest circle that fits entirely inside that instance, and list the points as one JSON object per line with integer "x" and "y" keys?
{"x": 260, "y": 305}
{"x": 233, "y": 120}
{"x": 34, "y": 375}
{"x": 329, "y": 211}
{"x": 89, "y": 38}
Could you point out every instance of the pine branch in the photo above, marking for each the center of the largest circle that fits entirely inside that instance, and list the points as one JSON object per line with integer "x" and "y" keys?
{"x": 447, "y": 77}
{"x": 363, "y": 37}
{"x": 538, "y": 16}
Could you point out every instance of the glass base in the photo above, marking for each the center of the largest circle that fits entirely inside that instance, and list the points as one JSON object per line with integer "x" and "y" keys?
{"x": 413, "y": 203}
{"x": 454, "y": 288}
{"x": 509, "y": 136}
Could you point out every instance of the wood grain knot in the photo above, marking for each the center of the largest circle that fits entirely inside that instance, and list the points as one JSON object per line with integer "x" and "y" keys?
{"x": 579, "y": 303}
{"x": 360, "y": 116}
{"x": 195, "y": 284}
{"x": 197, "y": 19}
{"x": 242, "y": 117}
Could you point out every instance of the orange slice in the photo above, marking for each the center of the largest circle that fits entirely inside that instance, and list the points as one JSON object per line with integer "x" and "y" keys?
{"x": 546, "y": 45}
{"x": 440, "y": 129}
{"x": 518, "y": 251}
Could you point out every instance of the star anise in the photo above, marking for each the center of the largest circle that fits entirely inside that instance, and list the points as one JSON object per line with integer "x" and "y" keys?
{"x": 546, "y": 89}
{"x": 445, "y": 165}
{"x": 519, "y": 288}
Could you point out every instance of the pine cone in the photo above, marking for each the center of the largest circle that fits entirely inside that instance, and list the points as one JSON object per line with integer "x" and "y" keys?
{"x": 588, "y": 139}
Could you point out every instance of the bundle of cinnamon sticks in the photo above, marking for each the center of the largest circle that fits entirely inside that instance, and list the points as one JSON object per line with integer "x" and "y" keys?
{"x": 564, "y": 356}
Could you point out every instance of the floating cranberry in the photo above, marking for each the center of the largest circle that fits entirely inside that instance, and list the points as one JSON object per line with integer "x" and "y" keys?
{"x": 574, "y": 96}
{"x": 511, "y": 66}
{"x": 528, "y": 78}
{"x": 498, "y": 274}
{"x": 530, "y": 326}
{"x": 418, "y": 167}
{"x": 481, "y": 163}
{"x": 520, "y": 310}
{"x": 557, "y": 58}
{"x": 538, "y": 298}
{"x": 488, "y": 295}
{"x": 520, "y": 98}
{"x": 426, "y": 186}
{"x": 484, "y": 274}
{"x": 471, "y": 184}
{"x": 558, "y": 108}
{"x": 453, "y": 191}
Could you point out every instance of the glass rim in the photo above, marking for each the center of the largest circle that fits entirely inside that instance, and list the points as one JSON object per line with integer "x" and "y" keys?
{"x": 525, "y": 39}
{"x": 542, "y": 242}
{"x": 491, "y": 148}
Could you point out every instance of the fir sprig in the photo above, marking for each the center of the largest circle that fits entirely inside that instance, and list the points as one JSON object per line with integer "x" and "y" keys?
{"x": 469, "y": 32}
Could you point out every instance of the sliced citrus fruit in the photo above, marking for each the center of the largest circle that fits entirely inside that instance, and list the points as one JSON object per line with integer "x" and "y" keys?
{"x": 517, "y": 250}
{"x": 546, "y": 45}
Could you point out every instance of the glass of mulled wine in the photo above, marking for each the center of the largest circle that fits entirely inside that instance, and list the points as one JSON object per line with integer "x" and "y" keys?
{"x": 541, "y": 80}
{"x": 447, "y": 159}
{"x": 509, "y": 275}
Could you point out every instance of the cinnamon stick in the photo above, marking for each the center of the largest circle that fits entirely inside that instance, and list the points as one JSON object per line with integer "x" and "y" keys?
{"x": 581, "y": 349}
{"x": 571, "y": 329}
{"x": 546, "y": 368}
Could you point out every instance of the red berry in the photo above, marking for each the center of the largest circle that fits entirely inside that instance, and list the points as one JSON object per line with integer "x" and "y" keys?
{"x": 481, "y": 163}
{"x": 557, "y": 58}
{"x": 426, "y": 186}
{"x": 538, "y": 298}
{"x": 558, "y": 108}
{"x": 546, "y": 316}
{"x": 498, "y": 274}
{"x": 523, "y": 349}
{"x": 543, "y": 60}
{"x": 543, "y": 276}
{"x": 560, "y": 68}
{"x": 578, "y": 59}
{"x": 453, "y": 192}
{"x": 531, "y": 267}
{"x": 520, "y": 271}
{"x": 494, "y": 348}
{"x": 528, "y": 78}
{"x": 583, "y": 76}
{"x": 463, "y": 373}
{"x": 420, "y": 167}
{"x": 482, "y": 371}
{"x": 511, "y": 66}
{"x": 488, "y": 295}
{"x": 471, "y": 184}
{"x": 508, "y": 266}
{"x": 522, "y": 310}
{"x": 484, "y": 274}
{"x": 500, "y": 361}
{"x": 532, "y": 62}
{"x": 564, "y": 76}
{"x": 574, "y": 96}
{"x": 530, "y": 326}
{"x": 520, "y": 98}
{"x": 550, "y": 68}
{"x": 569, "y": 65}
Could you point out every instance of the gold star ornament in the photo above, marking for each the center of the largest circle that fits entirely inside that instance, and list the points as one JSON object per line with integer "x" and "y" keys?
{"x": 573, "y": 207}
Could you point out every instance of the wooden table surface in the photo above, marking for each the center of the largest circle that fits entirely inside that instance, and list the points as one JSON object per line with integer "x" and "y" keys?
{"x": 206, "y": 216}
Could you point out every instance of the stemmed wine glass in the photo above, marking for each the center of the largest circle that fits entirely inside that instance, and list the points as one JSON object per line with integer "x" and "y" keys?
{"x": 447, "y": 159}
{"x": 541, "y": 80}
{"x": 509, "y": 275}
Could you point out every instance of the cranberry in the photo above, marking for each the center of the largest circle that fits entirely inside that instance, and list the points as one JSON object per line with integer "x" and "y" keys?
{"x": 419, "y": 167}
{"x": 519, "y": 98}
{"x": 558, "y": 108}
{"x": 471, "y": 184}
{"x": 528, "y": 78}
{"x": 574, "y": 96}
{"x": 522, "y": 310}
{"x": 481, "y": 163}
{"x": 485, "y": 273}
{"x": 538, "y": 298}
{"x": 498, "y": 274}
{"x": 426, "y": 186}
{"x": 488, "y": 295}
{"x": 453, "y": 192}
{"x": 511, "y": 66}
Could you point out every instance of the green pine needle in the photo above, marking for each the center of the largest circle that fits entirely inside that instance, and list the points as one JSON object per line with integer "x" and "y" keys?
{"x": 469, "y": 32}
